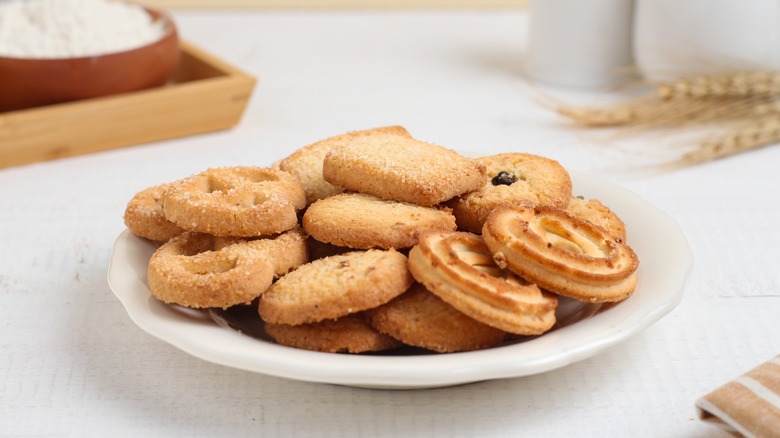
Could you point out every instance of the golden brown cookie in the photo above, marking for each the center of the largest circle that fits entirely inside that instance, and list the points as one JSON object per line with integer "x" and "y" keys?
{"x": 348, "y": 334}
{"x": 285, "y": 251}
{"x": 459, "y": 269}
{"x": 401, "y": 169}
{"x": 189, "y": 271}
{"x": 511, "y": 179}
{"x": 144, "y": 215}
{"x": 306, "y": 162}
{"x": 593, "y": 211}
{"x": 421, "y": 319}
{"x": 236, "y": 201}
{"x": 336, "y": 286}
{"x": 561, "y": 253}
{"x": 356, "y": 220}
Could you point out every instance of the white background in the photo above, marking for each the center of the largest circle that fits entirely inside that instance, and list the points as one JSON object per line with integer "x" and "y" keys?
{"x": 73, "y": 364}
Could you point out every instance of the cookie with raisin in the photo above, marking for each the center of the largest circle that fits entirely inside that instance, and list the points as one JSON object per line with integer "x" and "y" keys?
{"x": 512, "y": 179}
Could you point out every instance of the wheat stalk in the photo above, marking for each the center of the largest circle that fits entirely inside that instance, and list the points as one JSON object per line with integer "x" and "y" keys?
{"x": 745, "y": 106}
{"x": 749, "y": 136}
{"x": 650, "y": 114}
{"x": 735, "y": 84}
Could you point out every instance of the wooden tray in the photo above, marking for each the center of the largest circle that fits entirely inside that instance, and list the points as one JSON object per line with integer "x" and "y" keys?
{"x": 205, "y": 95}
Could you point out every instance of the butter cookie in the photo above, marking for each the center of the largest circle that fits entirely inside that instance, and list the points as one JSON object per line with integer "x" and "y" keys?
{"x": 284, "y": 252}
{"x": 144, "y": 215}
{"x": 356, "y": 220}
{"x": 236, "y": 201}
{"x": 391, "y": 167}
{"x": 593, "y": 211}
{"x": 306, "y": 162}
{"x": 459, "y": 269}
{"x": 348, "y": 334}
{"x": 188, "y": 270}
{"x": 512, "y": 179}
{"x": 336, "y": 286}
{"x": 421, "y": 319}
{"x": 561, "y": 253}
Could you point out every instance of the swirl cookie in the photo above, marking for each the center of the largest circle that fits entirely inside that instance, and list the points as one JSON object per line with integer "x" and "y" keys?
{"x": 388, "y": 167}
{"x": 421, "y": 319}
{"x": 459, "y": 269}
{"x": 144, "y": 215}
{"x": 336, "y": 286}
{"x": 511, "y": 179}
{"x": 561, "y": 253}
{"x": 356, "y": 220}
{"x": 306, "y": 162}
{"x": 348, "y": 334}
{"x": 593, "y": 211}
{"x": 236, "y": 201}
{"x": 188, "y": 270}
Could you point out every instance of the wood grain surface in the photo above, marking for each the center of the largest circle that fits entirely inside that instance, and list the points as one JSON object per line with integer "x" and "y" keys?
{"x": 205, "y": 95}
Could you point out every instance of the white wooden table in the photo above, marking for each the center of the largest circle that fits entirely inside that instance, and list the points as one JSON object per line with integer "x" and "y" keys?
{"x": 73, "y": 363}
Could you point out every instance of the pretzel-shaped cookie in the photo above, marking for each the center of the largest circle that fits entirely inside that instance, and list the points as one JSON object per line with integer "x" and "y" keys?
{"x": 459, "y": 269}
{"x": 188, "y": 271}
{"x": 144, "y": 215}
{"x": 561, "y": 253}
{"x": 285, "y": 252}
{"x": 191, "y": 271}
{"x": 236, "y": 201}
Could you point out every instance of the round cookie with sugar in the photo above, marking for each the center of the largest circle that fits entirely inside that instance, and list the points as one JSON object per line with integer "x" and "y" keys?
{"x": 348, "y": 334}
{"x": 285, "y": 251}
{"x": 200, "y": 270}
{"x": 512, "y": 179}
{"x": 190, "y": 271}
{"x": 239, "y": 201}
{"x": 144, "y": 215}
{"x": 357, "y": 220}
{"x": 421, "y": 319}
{"x": 306, "y": 162}
{"x": 336, "y": 286}
{"x": 402, "y": 169}
{"x": 595, "y": 212}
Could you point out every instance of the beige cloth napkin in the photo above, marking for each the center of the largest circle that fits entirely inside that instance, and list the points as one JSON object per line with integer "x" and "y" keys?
{"x": 748, "y": 405}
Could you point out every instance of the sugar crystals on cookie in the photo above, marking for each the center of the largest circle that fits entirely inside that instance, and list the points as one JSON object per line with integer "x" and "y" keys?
{"x": 402, "y": 169}
{"x": 319, "y": 243}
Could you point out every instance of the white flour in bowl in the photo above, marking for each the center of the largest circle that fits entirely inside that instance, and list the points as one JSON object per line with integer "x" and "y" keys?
{"x": 73, "y": 28}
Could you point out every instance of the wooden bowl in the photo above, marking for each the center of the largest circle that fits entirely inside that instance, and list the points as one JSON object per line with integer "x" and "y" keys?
{"x": 28, "y": 82}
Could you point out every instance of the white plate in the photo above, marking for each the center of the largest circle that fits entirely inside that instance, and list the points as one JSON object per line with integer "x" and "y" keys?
{"x": 665, "y": 263}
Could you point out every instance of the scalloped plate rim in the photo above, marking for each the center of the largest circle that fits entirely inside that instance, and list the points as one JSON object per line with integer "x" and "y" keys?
{"x": 655, "y": 296}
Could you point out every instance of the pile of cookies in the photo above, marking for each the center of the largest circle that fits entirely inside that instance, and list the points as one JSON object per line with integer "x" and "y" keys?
{"x": 373, "y": 239}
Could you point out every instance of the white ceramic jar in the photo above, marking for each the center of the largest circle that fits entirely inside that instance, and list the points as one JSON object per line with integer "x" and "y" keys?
{"x": 579, "y": 43}
{"x": 674, "y": 38}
